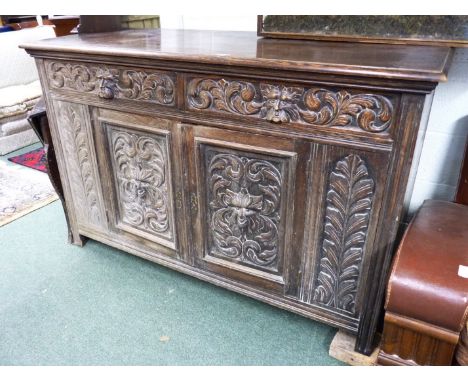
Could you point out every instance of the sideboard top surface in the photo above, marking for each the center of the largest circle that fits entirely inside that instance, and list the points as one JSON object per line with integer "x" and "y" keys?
{"x": 246, "y": 49}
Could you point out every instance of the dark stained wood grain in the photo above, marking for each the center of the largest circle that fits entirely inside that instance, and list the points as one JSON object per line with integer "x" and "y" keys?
{"x": 99, "y": 23}
{"x": 247, "y": 50}
{"x": 408, "y": 342}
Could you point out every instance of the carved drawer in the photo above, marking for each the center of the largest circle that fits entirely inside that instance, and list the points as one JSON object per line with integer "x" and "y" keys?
{"x": 112, "y": 82}
{"x": 297, "y": 105}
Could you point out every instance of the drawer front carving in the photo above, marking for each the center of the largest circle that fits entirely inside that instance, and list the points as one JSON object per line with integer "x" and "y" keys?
{"x": 292, "y": 104}
{"x": 113, "y": 82}
{"x": 77, "y": 142}
{"x": 244, "y": 199}
{"x": 141, "y": 171}
{"x": 348, "y": 204}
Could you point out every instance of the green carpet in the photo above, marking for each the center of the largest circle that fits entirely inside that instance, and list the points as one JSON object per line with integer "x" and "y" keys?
{"x": 64, "y": 305}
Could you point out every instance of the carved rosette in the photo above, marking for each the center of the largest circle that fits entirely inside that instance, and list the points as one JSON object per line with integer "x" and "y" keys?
{"x": 140, "y": 169}
{"x": 111, "y": 83}
{"x": 79, "y": 162}
{"x": 282, "y": 104}
{"x": 244, "y": 209}
{"x": 349, "y": 201}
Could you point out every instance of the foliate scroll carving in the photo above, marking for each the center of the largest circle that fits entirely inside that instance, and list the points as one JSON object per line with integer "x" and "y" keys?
{"x": 233, "y": 96}
{"x": 140, "y": 168}
{"x": 348, "y": 208}
{"x": 113, "y": 82}
{"x": 68, "y": 76}
{"x": 282, "y": 104}
{"x": 244, "y": 203}
{"x": 83, "y": 183}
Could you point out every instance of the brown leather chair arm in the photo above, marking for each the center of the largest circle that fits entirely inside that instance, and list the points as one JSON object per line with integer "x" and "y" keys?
{"x": 424, "y": 283}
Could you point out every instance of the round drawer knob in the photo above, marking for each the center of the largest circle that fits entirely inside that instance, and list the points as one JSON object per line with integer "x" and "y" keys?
{"x": 106, "y": 92}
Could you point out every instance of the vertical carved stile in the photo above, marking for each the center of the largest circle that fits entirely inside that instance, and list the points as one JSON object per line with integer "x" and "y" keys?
{"x": 79, "y": 163}
{"x": 348, "y": 207}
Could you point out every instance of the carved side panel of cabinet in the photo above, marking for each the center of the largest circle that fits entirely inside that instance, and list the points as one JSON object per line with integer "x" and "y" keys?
{"x": 139, "y": 163}
{"x": 244, "y": 204}
{"x": 346, "y": 197}
{"x": 74, "y": 128}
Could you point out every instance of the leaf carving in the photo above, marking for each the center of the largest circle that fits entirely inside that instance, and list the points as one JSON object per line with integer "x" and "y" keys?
{"x": 79, "y": 163}
{"x": 349, "y": 202}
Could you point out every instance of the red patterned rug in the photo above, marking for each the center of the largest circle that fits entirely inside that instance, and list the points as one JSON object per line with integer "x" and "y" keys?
{"x": 35, "y": 159}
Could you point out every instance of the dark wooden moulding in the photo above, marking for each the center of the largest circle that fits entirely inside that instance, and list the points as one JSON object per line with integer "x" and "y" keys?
{"x": 276, "y": 169}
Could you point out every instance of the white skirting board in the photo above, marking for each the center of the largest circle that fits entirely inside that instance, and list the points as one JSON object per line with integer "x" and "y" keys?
{"x": 16, "y": 141}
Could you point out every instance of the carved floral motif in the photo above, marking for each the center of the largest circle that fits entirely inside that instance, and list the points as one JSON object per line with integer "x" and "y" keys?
{"x": 244, "y": 204}
{"x": 349, "y": 202}
{"x": 140, "y": 170}
{"x": 281, "y": 104}
{"x": 111, "y": 83}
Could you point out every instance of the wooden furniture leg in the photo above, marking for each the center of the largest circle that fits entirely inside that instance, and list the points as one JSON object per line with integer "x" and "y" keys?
{"x": 39, "y": 122}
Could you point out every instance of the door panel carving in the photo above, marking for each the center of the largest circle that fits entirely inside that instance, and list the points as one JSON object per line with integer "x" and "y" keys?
{"x": 244, "y": 196}
{"x": 245, "y": 186}
{"x": 141, "y": 170}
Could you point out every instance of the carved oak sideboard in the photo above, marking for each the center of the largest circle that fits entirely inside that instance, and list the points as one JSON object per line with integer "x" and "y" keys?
{"x": 274, "y": 168}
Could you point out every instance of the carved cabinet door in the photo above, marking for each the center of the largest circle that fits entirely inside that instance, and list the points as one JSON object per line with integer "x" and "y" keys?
{"x": 247, "y": 193}
{"x": 140, "y": 165}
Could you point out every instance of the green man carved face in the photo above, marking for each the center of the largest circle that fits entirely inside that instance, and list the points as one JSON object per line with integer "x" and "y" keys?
{"x": 280, "y": 103}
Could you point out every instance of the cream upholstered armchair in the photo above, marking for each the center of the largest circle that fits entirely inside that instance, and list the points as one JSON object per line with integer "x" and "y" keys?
{"x": 19, "y": 87}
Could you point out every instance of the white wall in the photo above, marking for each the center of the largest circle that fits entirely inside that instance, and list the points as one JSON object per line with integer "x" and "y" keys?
{"x": 436, "y": 176}
{"x": 446, "y": 134}
{"x": 233, "y": 23}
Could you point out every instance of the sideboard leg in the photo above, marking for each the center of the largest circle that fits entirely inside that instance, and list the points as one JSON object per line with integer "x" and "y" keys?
{"x": 342, "y": 348}
{"x": 367, "y": 338}
{"x": 39, "y": 122}
{"x": 365, "y": 346}
{"x": 52, "y": 169}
